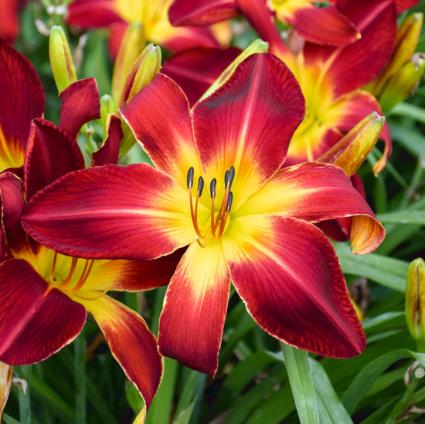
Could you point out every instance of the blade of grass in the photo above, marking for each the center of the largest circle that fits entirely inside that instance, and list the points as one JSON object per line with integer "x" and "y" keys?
{"x": 80, "y": 379}
{"x": 302, "y": 385}
{"x": 25, "y": 396}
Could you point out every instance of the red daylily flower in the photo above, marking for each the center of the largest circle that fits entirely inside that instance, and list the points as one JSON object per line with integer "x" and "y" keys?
{"x": 153, "y": 15}
{"x": 46, "y": 295}
{"x": 324, "y": 25}
{"x": 331, "y": 78}
{"x": 256, "y": 228}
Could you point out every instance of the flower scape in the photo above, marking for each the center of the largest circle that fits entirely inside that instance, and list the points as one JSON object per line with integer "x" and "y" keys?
{"x": 212, "y": 211}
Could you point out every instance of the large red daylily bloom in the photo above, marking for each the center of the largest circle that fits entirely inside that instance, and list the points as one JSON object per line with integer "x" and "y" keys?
{"x": 153, "y": 15}
{"x": 46, "y": 295}
{"x": 324, "y": 25}
{"x": 331, "y": 78}
{"x": 255, "y": 228}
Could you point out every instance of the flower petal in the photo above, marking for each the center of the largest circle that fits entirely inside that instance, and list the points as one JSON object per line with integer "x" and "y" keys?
{"x": 35, "y": 321}
{"x": 109, "y": 152}
{"x": 80, "y": 104}
{"x": 402, "y": 5}
{"x": 323, "y": 25}
{"x": 196, "y": 69}
{"x": 108, "y": 212}
{"x": 50, "y": 154}
{"x": 252, "y": 118}
{"x": 92, "y": 13}
{"x": 22, "y": 99}
{"x": 201, "y": 12}
{"x": 352, "y": 108}
{"x": 160, "y": 119}
{"x": 12, "y": 206}
{"x": 316, "y": 192}
{"x": 9, "y": 22}
{"x": 131, "y": 343}
{"x": 288, "y": 274}
{"x": 192, "y": 319}
{"x": 355, "y": 64}
{"x": 132, "y": 275}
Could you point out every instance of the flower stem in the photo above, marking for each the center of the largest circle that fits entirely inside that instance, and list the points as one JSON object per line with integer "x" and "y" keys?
{"x": 80, "y": 379}
{"x": 301, "y": 382}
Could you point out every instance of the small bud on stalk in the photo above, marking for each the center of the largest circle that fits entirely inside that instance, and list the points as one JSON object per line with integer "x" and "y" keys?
{"x": 415, "y": 301}
{"x": 61, "y": 61}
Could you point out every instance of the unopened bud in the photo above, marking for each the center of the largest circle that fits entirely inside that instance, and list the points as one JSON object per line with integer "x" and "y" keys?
{"x": 403, "y": 83}
{"x": 415, "y": 300}
{"x": 131, "y": 45}
{"x": 143, "y": 71}
{"x": 352, "y": 150}
{"x": 107, "y": 107}
{"x": 61, "y": 61}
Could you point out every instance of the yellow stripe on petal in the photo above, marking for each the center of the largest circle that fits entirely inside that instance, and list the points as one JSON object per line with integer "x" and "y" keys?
{"x": 11, "y": 153}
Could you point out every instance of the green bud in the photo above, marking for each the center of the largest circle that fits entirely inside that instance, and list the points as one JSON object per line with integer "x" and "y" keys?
{"x": 415, "y": 300}
{"x": 61, "y": 61}
{"x": 402, "y": 84}
{"x": 144, "y": 70}
{"x": 132, "y": 44}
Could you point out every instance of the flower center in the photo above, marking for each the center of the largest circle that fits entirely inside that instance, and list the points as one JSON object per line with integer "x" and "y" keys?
{"x": 219, "y": 218}
{"x": 78, "y": 272}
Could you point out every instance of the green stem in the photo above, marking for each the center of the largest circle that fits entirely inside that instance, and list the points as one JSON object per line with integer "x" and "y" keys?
{"x": 80, "y": 379}
{"x": 301, "y": 382}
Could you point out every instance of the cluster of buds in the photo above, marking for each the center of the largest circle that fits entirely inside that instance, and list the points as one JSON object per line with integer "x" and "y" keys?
{"x": 405, "y": 69}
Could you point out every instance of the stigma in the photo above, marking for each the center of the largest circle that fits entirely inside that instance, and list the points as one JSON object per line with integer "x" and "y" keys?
{"x": 218, "y": 218}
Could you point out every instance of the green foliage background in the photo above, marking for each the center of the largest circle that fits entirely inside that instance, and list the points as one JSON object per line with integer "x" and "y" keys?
{"x": 83, "y": 384}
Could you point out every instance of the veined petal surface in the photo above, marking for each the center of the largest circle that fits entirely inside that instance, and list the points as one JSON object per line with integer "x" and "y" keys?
{"x": 35, "y": 320}
{"x": 287, "y": 273}
{"x": 108, "y": 212}
{"x": 195, "y": 305}
{"x": 22, "y": 99}
{"x": 316, "y": 192}
{"x": 248, "y": 123}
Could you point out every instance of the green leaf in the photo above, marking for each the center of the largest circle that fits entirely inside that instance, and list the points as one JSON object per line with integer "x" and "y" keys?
{"x": 80, "y": 379}
{"x": 331, "y": 409}
{"x": 364, "y": 380}
{"x": 405, "y": 217}
{"x": 386, "y": 271}
{"x": 302, "y": 385}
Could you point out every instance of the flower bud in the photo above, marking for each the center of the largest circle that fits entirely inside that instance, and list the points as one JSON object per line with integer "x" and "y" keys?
{"x": 351, "y": 151}
{"x": 415, "y": 300}
{"x": 107, "y": 108}
{"x": 407, "y": 39}
{"x": 143, "y": 71}
{"x": 403, "y": 83}
{"x": 61, "y": 61}
{"x": 131, "y": 45}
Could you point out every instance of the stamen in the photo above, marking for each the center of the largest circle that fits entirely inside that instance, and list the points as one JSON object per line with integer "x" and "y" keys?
{"x": 213, "y": 188}
{"x": 229, "y": 202}
{"x": 71, "y": 272}
{"x": 213, "y": 193}
{"x": 200, "y": 186}
{"x": 189, "y": 177}
{"x": 86, "y": 272}
{"x": 194, "y": 214}
{"x": 53, "y": 270}
{"x": 231, "y": 175}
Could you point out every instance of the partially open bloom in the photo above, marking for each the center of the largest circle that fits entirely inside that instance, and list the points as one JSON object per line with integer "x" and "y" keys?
{"x": 152, "y": 15}
{"x": 220, "y": 189}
